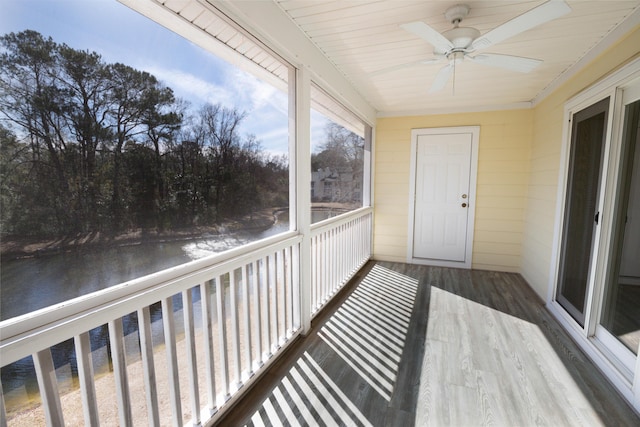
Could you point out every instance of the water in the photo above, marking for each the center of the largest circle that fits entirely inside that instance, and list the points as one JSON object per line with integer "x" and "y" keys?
{"x": 33, "y": 283}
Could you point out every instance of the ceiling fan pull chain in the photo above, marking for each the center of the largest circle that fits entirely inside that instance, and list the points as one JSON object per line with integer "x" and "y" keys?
{"x": 453, "y": 89}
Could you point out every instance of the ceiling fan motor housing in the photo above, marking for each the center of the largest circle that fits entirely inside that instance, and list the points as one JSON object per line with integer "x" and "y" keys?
{"x": 460, "y": 37}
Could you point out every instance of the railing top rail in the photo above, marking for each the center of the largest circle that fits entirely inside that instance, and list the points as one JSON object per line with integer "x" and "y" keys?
{"x": 327, "y": 224}
{"x": 51, "y": 325}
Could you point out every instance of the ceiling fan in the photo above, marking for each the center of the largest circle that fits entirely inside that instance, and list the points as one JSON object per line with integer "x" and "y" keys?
{"x": 459, "y": 43}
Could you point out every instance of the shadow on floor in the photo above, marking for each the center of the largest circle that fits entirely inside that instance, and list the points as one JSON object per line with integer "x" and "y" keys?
{"x": 413, "y": 345}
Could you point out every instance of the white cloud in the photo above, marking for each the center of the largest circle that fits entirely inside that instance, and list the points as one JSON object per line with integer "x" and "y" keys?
{"x": 257, "y": 93}
{"x": 192, "y": 88}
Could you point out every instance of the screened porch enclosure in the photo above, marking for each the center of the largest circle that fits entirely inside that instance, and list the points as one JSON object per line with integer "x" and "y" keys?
{"x": 325, "y": 323}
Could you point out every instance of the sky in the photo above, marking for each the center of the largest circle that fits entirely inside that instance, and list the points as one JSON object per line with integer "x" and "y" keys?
{"x": 120, "y": 34}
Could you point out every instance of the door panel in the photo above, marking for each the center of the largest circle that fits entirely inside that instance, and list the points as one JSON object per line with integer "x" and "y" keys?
{"x": 621, "y": 304}
{"x": 581, "y": 207}
{"x": 441, "y": 205}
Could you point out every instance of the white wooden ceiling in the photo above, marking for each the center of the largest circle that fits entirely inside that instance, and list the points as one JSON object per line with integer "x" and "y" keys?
{"x": 361, "y": 37}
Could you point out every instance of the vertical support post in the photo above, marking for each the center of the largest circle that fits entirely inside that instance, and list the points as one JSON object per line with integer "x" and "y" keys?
{"x": 367, "y": 185}
{"x": 302, "y": 168}
{"x": 48, "y": 384}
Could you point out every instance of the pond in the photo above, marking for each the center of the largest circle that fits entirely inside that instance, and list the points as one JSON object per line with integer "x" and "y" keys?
{"x": 32, "y": 283}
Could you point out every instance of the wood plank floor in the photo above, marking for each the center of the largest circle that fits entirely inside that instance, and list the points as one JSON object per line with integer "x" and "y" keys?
{"x": 409, "y": 345}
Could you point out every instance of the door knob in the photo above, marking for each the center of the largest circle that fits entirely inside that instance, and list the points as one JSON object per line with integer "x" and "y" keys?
{"x": 464, "y": 205}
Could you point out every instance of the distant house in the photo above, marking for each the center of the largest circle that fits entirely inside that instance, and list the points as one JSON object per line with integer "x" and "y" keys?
{"x": 336, "y": 185}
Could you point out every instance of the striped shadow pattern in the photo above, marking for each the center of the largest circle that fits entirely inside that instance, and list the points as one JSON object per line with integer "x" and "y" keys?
{"x": 307, "y": 396}
{"x": 369, "y": 330}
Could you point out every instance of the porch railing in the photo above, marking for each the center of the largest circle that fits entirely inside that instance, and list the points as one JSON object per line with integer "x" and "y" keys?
{"x": 339, "y": 248}
{"x": 185, "y": 342}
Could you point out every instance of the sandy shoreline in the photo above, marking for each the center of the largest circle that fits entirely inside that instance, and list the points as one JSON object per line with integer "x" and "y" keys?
{"x": 15, "y": 247}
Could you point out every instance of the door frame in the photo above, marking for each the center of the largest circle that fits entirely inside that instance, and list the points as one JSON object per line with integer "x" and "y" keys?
{"x": 473, "y": 175}
{"x": 612, "y": 361}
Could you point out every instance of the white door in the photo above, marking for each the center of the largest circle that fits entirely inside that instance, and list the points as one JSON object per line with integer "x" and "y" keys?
{"x": 443, "y": 202}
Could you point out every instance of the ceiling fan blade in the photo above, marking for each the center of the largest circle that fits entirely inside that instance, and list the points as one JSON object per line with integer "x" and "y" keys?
{"x": 537, "y": 16}
{"x": 425, "y": 32}
{"x": 509, "y": 62}
{"x": 403, "y": 66}
{"x": 441, "y": 78}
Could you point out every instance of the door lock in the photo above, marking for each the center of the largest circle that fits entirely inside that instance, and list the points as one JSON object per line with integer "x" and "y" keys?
{"x": 464, "y": 196}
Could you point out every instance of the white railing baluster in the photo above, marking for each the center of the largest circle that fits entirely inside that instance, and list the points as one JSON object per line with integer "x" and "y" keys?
{"x": 280, "y": 306}
{"x": 148, "y": 365}
{"x": 246, "y": 318}
{"x": 336, "y": 252}
{"x": 319, "y": 273}
{"x": 325, "y": 267}
{"x": 290, "y": 301}
{"x": 296, "y": 292}
{"x": 85, "y": 378}
{"x": 222, "y": 335}
{"x": 48, "y": 385}
{"x": 192, "y": 363}
{"x": 347, "y": 248}
{"x": 3, "y": 410}
{"x": 273, "y": 302}
{"x": 168, "y": 323}
{"x": 207, "y": 335}
{"x": 264, "y": 285}
{"x": 256, "y": 315}
{"x": 116, "y": 339}
{"x": 357, "y": 245}
{"x": 314, "y": 274}
{"x": 235, "y": 331}
{"x": 333, "y": 260}
{"x": 333, "y": 267}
